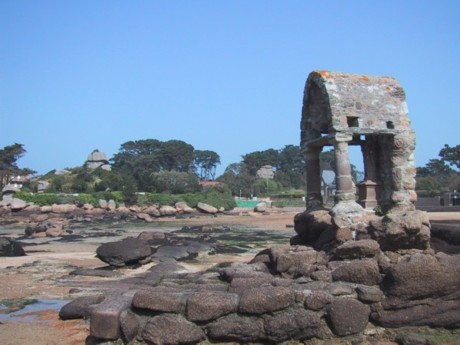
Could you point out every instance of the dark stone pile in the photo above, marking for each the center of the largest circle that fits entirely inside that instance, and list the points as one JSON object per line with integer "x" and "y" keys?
{"x": 286, "y": 292}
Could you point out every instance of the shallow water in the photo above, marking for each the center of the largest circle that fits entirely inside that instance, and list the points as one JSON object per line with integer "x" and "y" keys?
{"x": 31, "y": 311}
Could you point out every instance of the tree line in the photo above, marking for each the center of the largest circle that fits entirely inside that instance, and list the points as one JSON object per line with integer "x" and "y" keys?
{"x": 441, "y": 174}
{"x": 176, "y": 167}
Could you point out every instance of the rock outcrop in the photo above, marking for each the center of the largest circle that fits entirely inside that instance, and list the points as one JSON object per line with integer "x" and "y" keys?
{"x": 286, "y": 292}
{"x": 98, "y": 159}
{"x": 9, "y": 247}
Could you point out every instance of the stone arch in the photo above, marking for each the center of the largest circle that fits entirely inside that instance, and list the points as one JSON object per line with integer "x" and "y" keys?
{"x": 341, "y": 109}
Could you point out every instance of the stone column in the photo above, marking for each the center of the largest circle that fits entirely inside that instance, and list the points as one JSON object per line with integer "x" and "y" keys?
{"x": 344, "y": 182}
{"x": 346, "y": 213}
{"x": 314, "y": 197}
{"x": 403, "y": 170}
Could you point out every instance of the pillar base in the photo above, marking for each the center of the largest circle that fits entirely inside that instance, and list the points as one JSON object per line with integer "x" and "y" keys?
{"x": 347, "y": 214}
{"x": 367, "y": 195}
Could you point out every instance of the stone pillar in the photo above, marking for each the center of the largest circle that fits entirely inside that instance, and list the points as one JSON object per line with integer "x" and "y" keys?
{"x": 346, "y": 213}
{"x": 344, "y": 182}
{"x": 314, "y": 197}
{"x": 403, "y": 170}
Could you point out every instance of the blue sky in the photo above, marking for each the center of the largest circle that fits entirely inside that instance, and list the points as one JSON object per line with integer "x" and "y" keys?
{"x": 226, "y": 76}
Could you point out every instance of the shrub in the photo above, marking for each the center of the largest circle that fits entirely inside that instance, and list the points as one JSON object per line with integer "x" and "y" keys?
{"x": 41, "y": 199}
{"x": 289, "y": 203}
{"x": 161, "y": 199}
{"x": 87, "y": 199}
{"x": 219, "y": 197}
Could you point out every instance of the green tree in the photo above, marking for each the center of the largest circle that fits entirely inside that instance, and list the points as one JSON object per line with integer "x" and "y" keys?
{"x": 451, "y": 155}
{"x": 174, "y": 182}
{"x": 238, "y": 180}
{"x": 205, "y": 163}
{"x": 8, "y": 163}
{"x": 255, "y": 160}
{"x": 291, "y": 170}
{"x": 138, "y": 159}
{"x": 437, "y": 176}
{"x": 176, "y": 155}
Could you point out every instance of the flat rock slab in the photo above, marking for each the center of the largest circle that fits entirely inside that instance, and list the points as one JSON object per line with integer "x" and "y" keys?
{"x": 105, "y": 317}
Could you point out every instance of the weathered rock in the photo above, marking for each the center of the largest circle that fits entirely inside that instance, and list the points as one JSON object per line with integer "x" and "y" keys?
{"x": 80, "y": 307}
{"x": 160, "y": 301}
{"x": 135, "y": 209}
{"x": 54, "y": 232}
{"x": 105, "y": 317}
{"x": 414, "y": 339}
{"x": 97, "y": 159}
{"x": 152, "y": 236}
{"x": 129, "y": 324}
{"x": 88, "y": 207}
{"x": 145, "y": 217}
{"x": 102, "y": 204}
{"x": 17, "y": 204}
{"x": 297, "y": 324}
{"x": 125, "y": 252}
{"x": 294, "y": 260}
{"x": 187, "y": 250}
{"x": 339, "y": 313}
{"x": 363, "y": 271}
{"x": 310, "y": 224}
{"x": 37, "y": 218}
{"x": 207, "y": 305}
{"x": 317, "y": 300}
{"x": 357, "y": 249}
{"x": 10, "y": 189}
{"x": 42, "y": 186}
{"x": 8, "y": 247}
{"x": 321, "y": 275}
{"x": 111, "y": 205}
{"x": 167, "y": 210}
{"x": 46, "y": 209}
{"x": 40, "y": 227}
{"x": 63, "y": 208}
{"x": 237, "y": 328}
{"x": 260, "y": 207}
{"x": 241, "y": 270}
{"x": 240, "y": 284}
{"x": 369, "y": 294}
{"x": 162, "y": 269}
{"x": 421, "y": 276}
{"x": 341, "y": 289}
{"x": 403, "y": 230}
{"x": 94, "y": 272}
{"x": 182, "y": 207}
{"x": 170, "y": 330}
{"x": 428, "y": 312}
{"x": 265, "y": 299}
{"x": 206, "y": 208}
{"x": 123, "y": 210}
{"x": 31, "y": 208}
{"x": 152, "y": 211}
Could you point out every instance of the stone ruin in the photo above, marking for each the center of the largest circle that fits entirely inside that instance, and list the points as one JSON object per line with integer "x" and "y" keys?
{"x": 349, "y": 275}
{"x": 340, "y": 110}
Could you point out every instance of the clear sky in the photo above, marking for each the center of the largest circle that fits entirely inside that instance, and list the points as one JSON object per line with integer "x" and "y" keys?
{"x": 226, "y": 76}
